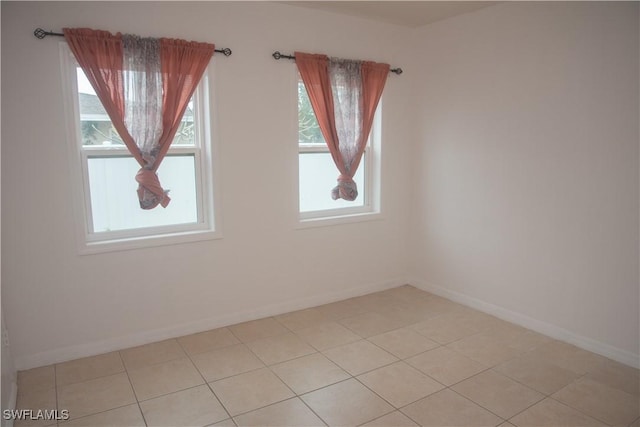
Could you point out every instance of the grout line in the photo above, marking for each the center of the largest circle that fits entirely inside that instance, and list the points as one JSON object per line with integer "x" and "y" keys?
{"x": 576, "y": 409}
{"x": 313, "y": 391}
{"x": 493, "y": 369}
{"x": 135, "y": 395}
{"x": 376, "y": 393}
{"x": 205, "y": 381}
{"x": 102, "y": 412}
{"x": 382, "y": 416}
{"x": 312, "y": 411}
{"x": 478, "y": 404}
{"x": 273, "y": 373}
{"x": 559, "y": 402}
{"x": 262, "y": 407}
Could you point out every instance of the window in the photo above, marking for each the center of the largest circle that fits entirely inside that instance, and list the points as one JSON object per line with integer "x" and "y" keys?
{"x": 317, "y": 171}
{"x": 107, "y": 200}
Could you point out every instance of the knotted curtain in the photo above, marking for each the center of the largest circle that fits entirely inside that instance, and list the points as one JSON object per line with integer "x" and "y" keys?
{"x": 344, "y": 95}
{"x": 145, "y": 85}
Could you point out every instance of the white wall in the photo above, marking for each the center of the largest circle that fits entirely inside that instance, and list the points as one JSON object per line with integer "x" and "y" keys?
{"x": 61, "y": 305}
{"x": 526, "y": 167}
{"x": 8, "y": 374}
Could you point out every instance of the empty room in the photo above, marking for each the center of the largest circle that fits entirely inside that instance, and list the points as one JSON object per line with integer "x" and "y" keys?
{"x": 340, "y": 213}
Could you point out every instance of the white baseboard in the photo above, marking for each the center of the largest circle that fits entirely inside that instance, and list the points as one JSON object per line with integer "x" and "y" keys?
{"x": 553, "y": 331}
{"x": 99, "y": 347}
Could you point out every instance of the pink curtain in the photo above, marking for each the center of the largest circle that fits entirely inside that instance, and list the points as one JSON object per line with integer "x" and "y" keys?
{"x": 113, "y": 65}
{"x": 344, "y": 95}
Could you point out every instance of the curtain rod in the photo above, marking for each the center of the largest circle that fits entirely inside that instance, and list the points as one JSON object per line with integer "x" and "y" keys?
{"x": 278, "y": 55}
{"x": 40, "y": 34}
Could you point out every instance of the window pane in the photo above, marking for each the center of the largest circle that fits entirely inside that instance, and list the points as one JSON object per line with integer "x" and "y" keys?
{"x": 114, "y": 201}
{"x": 308, "y": 128}
{"x": 96, "y": 127}
{"x": 318, "y": 176}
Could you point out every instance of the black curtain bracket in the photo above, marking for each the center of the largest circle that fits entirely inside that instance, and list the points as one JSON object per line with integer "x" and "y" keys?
{"x": 40, "y": 34}
{"x": 277, "y": 55}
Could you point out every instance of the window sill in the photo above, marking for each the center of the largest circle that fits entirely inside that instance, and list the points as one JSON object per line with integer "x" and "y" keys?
{"x": 328, "y": 221}
{"x": 115, "y": 245}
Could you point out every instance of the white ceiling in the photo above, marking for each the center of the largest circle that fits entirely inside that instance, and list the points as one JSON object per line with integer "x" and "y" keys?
{"x": 406, "y": 13}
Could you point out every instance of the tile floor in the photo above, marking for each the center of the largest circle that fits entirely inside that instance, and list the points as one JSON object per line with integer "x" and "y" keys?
{"x": 401, "y": 357}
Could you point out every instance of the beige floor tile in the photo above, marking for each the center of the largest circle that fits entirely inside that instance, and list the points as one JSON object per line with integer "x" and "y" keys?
{"x": 516, "y": 338}
{"x": 226, "y": 362}
{"x": 600, "y": 401}
{"x": 292, "y": 412}
{"x": 342, "y": 309}
{"x": 425, "y": 302}
{"x": 394, "y": 419}
{"x": 359, "y": 357}
{"x": 441, "y": 305}
{"x": 503, "y": 331}
{"x": 226, "y": 423}
{"x": 407, "y": 293}
{"x": 280, "y": 348}
{"x": 257, "y": 329}
{"x": 327, "y": 335}
{"x": 617, "y": 375}
{"x": 528, "y": 341}
{"x": 194, "y": 407}
{"x": 35, "y": 423}
{"x": 309, "y": 373}
{"x": 375, "y": 301}
{"x": 348, "y": 403}
{"x": 538, "y": 374}
{"x": 129, "y": 416}
{"x": 164, "y": 378}
{"x": 302, "y": 319}
{"x": 485, "y": 349}
{"x": 44, "y": 399}
{"x": 370, "y": 324}
{"x": 507, "y": 424}
{"x": 88, "y": 368}
{"x": 403, "y": 343}
{"x": 400, "y": 384}
{"x": 446, "y": 366}
{"x": 43, "y": 378}
{"x": 452, "y": 326}
{"x": 448, "y": 409}
{"x": 207, "y": 341}
{"x": 497, "y": 393}
{"x": 636, "y": 423}
{"x": 249, "y": 391}
{"x": 152, "y": 354}
{"x": 550, "y": 412}
{"x": 567, "y": 356}
{"x": 408, "y": 313}
{"x": 98, "y": 395}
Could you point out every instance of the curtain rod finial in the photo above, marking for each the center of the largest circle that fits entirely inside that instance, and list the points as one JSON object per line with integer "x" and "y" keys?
{"x": 40, "y": 33}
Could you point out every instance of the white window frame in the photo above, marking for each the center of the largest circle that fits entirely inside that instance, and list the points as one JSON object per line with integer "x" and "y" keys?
{"x": 371, "y": 161}
{"x": 208, "y": 222}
